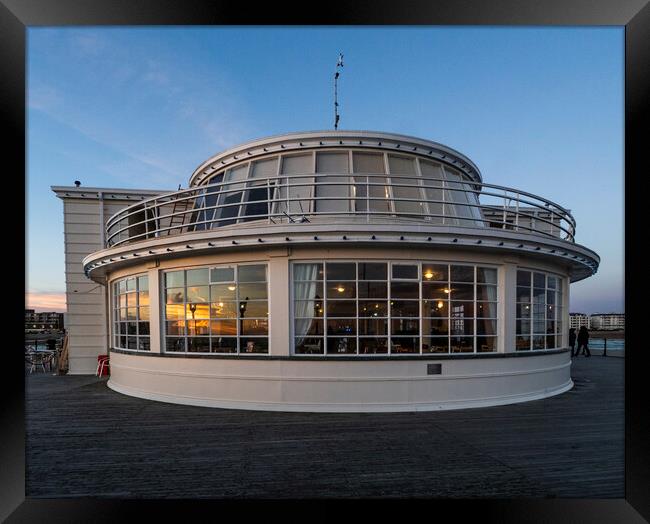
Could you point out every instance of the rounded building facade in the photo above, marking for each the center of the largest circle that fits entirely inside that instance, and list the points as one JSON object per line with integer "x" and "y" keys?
{"x": 340, "y": 271}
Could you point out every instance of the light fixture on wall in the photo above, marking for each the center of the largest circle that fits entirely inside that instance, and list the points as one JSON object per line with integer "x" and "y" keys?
{"x": 428, "y": 275}
{"x": 232, "y": 287}
{"x": 340, "y": 289}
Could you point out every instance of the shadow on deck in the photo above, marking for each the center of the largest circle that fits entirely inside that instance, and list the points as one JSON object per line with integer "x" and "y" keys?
{"x": 85, "y": 440}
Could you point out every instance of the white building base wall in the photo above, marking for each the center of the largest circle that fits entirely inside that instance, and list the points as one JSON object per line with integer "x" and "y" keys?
{"x": 343, "y": 386}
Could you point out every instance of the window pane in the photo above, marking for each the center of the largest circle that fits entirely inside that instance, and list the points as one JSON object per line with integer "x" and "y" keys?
{"x": 400, "y": 165}
{"x": 435, "y": 308}
{"x": 223, "y": 310}
{"x": 197, "y": 311}
{"x": 373, "y": 290}
{"x": 538, "y": 342}
{"x": 435, "y": 291}
{"x": 254, "y": 345}
{"x": 297, "y": 164}
{"x": 484, "y": 292}
{"x": 143, "y": 283}
{"x": 435, "y": 272}
{"x": 198, "y": 327}
{"x": 264, "y": 168}
{"x": 198, "y": 294}
{"x": 257, "y": 309}
{"x": 405, "y": 271}
{"x": 462, "y": 344}
{"x": 223, "y": 327}
{"x": 462, "y": 274}
{"x": 368, "y": 163}
{"x": 405, "y": 345}
{"x": 462, "y": 309}
{"x": 143, "y": 298}
{"x": 143, "y": 328}
{"x": 222, "y": 274}
{"x": 308, "y": 290}
{"x": 307, "y": 272}
{"x": 252, "y": 291}
{"x": 197, "y": 277}
{"x": 523, "y": 294}
{"x": 144, "y": 344}
{"x": 486, "y": 327}
{"x": 222, "y": 292}
{"x": 176, "y": 327}
{"x": 198, "y": 345}
{"x": 223, "y": 345}
{"x": 308, "y": 326}
{"x": 523, "y": 278}
{"x": 252, "y": 273}
{"x": 523, "y": 311}
{"x": 405, "y": 308}
{"x": 486, "y": 275}
{"x": 373, "y": 271}
{"x": 342, "y": 326}
{"x": 342, "y": 308}
{"x": 462, "y": 292}
{"x": 405, "y": 326}
{"x": 308, "y": 308}
{"x": 309, "y": 346}
{"x": 435, "y": 345}
{"x": 255, "y": 327}
{"x": 174, "y": 279}
{"x": 130, "y": 284}
{"x": 175, "y": 295}
{"x": 173, "y": 344}
{"x": 175, "y": 311}
{"x": 341, "y": 345}
{"x": 373, "y": 308}
{"x": 486, "y": 309}
{"x": 369, "y": 326}
{"x": 341, "y": 271}
{"x": 404, "y": 290}
{"x": 461, "y": 327}
{"x": 486, "y": 344}
{"x": 336, "y": 163}
{"x": 522, "y": 343}
{"x": 539, "y": 280}
{"x": 373, "y": 345}
{"x": 341, "y": 290}
{"x": 431, "y": 326}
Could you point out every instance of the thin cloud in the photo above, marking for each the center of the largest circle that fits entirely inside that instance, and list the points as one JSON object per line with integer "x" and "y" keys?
{"x": 46, "y": 301}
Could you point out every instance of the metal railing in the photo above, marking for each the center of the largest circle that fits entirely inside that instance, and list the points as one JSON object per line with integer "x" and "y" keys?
{"x": 372, "y": 198}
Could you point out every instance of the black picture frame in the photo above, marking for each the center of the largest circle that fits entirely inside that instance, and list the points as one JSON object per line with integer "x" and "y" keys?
{"x": 17, "y": 15}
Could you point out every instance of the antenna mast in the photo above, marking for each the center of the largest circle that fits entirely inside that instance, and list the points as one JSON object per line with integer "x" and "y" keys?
{"x": 339, "y": 63}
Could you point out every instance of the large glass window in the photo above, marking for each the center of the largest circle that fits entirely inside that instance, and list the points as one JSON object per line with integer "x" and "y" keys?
{"x": 539, "y": 311}
{"x": 131, "y": 313}
{"x": 343, "y": 308}
{"x": 221, "y": 309}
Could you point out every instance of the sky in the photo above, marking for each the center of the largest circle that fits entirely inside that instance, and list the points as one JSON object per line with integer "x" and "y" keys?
{"x": 536, "y": 108}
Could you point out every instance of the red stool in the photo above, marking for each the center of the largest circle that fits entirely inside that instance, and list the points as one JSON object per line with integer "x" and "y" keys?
{"x": 103, "y": 366}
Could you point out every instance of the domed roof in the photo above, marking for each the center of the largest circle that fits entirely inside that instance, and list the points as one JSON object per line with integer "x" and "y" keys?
{"x": 309, "y": 140}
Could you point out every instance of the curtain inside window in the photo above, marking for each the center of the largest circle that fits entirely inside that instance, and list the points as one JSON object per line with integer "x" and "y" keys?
{"x": 304, "y": 298}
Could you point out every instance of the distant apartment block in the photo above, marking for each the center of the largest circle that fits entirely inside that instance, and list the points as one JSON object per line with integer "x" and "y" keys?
{"x": 43, "y": 320}
{"x": 577, "y": 320}
{"x": 607, "y": 321}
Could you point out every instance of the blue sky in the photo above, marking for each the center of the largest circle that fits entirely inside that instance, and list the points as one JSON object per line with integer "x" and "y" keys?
{"x": 540, "y": 109}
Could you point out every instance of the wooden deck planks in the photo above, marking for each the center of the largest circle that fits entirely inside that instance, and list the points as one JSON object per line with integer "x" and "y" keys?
{"x": 86, "y": 440}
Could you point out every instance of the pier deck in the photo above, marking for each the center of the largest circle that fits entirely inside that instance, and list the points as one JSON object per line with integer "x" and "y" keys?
{"x": 84, "y": 439}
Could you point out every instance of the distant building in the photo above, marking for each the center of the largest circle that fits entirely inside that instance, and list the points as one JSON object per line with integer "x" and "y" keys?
{"x": 607, "y": 321}
{"x": 49, "y": 320}
{"x": 577, "y": 320}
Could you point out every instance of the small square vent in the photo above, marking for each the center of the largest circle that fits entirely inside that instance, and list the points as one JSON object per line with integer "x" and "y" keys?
{"x": 434, "y": 369}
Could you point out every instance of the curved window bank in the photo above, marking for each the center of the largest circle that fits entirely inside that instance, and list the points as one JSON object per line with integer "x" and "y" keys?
{"x": 340, "y": 271}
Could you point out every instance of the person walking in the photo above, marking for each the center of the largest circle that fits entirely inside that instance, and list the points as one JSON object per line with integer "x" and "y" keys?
{"x": 572, "y": 341}
{"x": 583, "y": 341}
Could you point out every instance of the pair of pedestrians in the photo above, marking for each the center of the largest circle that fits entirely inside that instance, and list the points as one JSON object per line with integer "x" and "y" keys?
{"x": 583, "y": 341}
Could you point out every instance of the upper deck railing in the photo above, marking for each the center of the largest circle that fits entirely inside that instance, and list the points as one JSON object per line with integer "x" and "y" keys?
{"x": 340, "y": 199}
